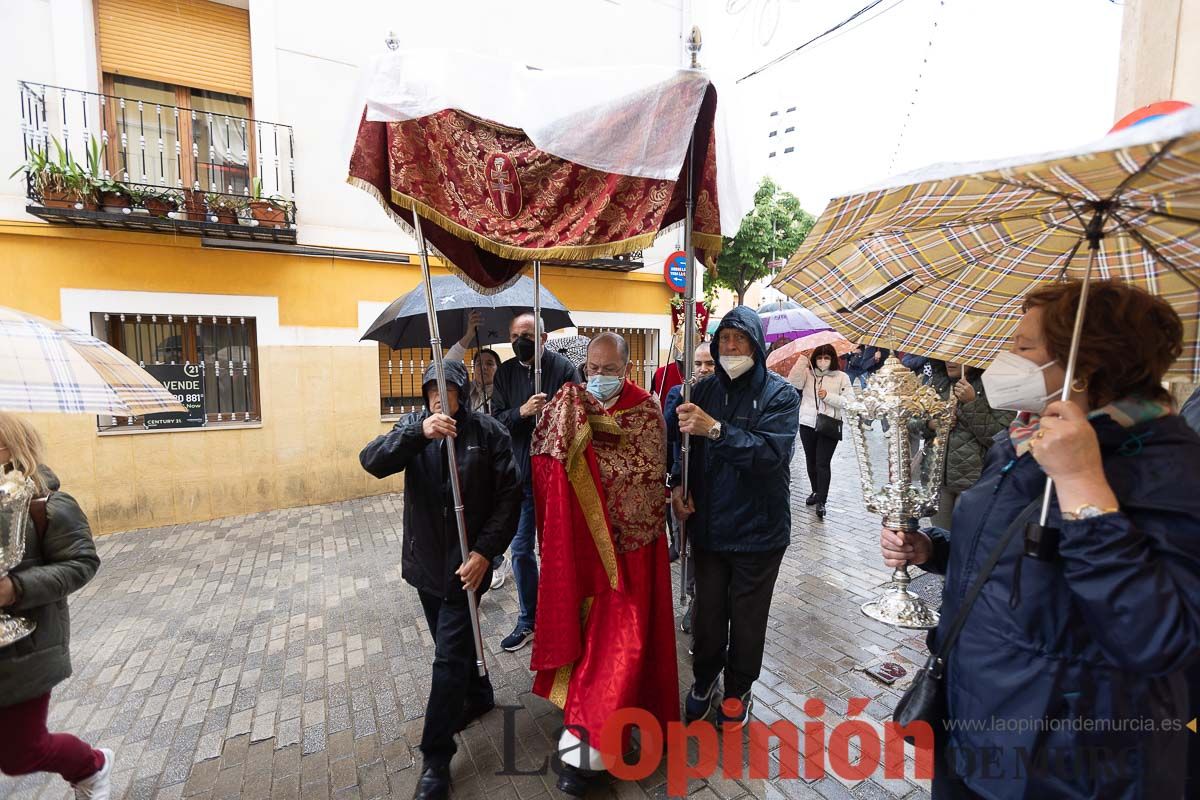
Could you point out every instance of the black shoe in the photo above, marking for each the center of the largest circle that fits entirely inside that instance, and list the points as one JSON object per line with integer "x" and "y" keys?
{"x": 820, "y": 511}
{"x": 434, "y": 784}
{"x": 811, "y": 501}
{"x": 517, "y": 639}
{"x": 685, "y": 624}
{"x": 472, "y": 713}
{"x": 572, "y": 781}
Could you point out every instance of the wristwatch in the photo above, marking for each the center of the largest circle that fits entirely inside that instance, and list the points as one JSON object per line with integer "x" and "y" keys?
{"x": 1088, "y": 511}
{"x": 714, "y": 433}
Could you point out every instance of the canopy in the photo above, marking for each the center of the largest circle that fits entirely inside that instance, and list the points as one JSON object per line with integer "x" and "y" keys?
{"x": 511, "y": 164}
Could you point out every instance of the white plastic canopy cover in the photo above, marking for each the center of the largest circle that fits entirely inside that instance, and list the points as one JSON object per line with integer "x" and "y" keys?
{"x": 633, "y": 121}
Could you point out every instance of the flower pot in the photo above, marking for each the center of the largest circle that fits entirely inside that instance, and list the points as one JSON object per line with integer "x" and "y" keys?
{"x": 115, "y": 202}
{"x": 194, "y": 208}
{"x": 225, "y": 216}
{"x": 158, "y": 207}
{"x": 52, "y": 198}
{"x": 268, "y": 214}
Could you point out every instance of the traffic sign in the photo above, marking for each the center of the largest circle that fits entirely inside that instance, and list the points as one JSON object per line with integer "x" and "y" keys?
{"x": 675, "y": 271}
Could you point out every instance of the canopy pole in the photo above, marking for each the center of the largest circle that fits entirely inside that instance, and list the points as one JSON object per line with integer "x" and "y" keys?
{"x": 537, "y": 326}
{"x": 435, "y": 342}
{"x": 689, "y": 328}
{"x": 1038, "y": 538}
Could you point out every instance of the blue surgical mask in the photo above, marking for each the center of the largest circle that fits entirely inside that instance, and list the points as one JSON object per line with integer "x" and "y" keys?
{"x": 603, "y": 387}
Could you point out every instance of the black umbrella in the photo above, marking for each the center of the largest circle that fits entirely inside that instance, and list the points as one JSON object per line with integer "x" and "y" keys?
{"x": 404, "y": 324}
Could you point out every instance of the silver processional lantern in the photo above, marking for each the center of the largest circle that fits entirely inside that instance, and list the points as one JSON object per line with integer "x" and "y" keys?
{"x": 900, "y": 429}
{"x": 16, "y": 491}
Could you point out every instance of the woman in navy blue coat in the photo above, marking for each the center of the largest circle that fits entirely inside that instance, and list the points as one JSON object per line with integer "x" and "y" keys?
{"x": 1070, "y": 677}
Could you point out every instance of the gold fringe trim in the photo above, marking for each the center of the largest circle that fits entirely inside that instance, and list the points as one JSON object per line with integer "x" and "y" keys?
{"x": 407, "y": 227}
{"x": 562, "y": 677}
{"x": 564, "y": 253}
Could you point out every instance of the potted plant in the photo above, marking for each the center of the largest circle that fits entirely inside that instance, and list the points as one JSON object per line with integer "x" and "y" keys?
{"x": 112, "y": 195}
{"x": 160, "y": 202}
{"x": 270, "y": 212}
{"x": 194, "y": 207}
{"x": 224, "y": 208}
{"x": 59, "y": 180}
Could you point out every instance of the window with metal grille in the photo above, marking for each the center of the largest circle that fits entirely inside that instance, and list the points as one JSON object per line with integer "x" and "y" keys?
{"x": 225, "y": 349}
{"x": 400, "y": 373}
{"x": 643, "y": 351}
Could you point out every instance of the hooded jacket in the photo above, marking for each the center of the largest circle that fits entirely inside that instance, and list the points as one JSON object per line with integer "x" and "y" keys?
{"x": 1099, "y": 636}
{"x": 53, "y": 566}
{"x": 976, "y": 425}
{"x": 513, "y": 385}
{"x": 491, "y": 492}
{"x": 740, "y": 484}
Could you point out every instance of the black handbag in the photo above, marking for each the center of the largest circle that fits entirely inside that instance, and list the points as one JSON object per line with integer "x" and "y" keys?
{"x": 925, "y": 700}
{"x": 827, "y": 426}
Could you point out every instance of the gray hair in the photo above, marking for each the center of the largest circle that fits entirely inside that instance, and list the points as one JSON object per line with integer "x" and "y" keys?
{"x": 616, "y": 339}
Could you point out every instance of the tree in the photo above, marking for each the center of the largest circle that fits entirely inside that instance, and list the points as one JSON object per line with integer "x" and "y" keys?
{"x": 772, "y": 230}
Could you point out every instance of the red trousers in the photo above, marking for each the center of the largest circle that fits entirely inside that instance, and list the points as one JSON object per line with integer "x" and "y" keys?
{"x": 26, "y": 746}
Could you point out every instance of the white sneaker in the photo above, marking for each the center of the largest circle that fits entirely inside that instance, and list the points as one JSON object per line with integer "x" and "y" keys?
{"x": 500, "y": 575}
{"x": 99, "y": 786}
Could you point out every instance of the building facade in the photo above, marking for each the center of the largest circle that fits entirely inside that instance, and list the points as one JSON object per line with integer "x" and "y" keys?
{"x": 206, "y": 106}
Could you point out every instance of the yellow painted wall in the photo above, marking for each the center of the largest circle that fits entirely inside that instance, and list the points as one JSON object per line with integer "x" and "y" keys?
{"x": 40, "y": 259}
{"x": 320, "y": 405}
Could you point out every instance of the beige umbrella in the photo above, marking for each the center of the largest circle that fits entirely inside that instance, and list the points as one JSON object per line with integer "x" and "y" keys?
{"x": 46, "y": 367}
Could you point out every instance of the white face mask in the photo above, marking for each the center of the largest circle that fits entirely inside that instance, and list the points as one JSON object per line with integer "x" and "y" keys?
{"x": 736, "y": 366}
{"x": 823, "y": 364}
{"x": 1014, "y": 383}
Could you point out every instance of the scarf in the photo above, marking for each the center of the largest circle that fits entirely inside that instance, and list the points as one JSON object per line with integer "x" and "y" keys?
{"x": 822, "y": 373}
{"x": 1126, "y": 413}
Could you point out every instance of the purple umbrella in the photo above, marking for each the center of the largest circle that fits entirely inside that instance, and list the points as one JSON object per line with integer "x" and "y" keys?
{"x": 790, "y": 323}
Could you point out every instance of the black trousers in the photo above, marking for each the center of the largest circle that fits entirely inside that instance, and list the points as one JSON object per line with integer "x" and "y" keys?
{"x": 818, "y": 454}
{"x": 733, "y": 600}
{"x": 456, "y": 684}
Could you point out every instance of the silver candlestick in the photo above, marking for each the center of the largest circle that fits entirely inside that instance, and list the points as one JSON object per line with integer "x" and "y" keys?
{"x": 16, "y": 491}
{"x": 899, "y": 428}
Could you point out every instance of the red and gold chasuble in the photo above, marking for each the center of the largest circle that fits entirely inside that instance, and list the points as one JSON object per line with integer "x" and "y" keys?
{"x": 605, "y": 623}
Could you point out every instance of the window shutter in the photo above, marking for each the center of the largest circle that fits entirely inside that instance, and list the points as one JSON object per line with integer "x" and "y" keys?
{"x": 192, "y": 43}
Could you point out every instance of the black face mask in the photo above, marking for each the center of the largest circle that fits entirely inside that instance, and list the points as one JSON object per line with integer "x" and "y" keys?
{"x": 523, "y": 347}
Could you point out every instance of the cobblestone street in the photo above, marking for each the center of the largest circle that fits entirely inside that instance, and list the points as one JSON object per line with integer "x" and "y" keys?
{"x": 280, "y": 655}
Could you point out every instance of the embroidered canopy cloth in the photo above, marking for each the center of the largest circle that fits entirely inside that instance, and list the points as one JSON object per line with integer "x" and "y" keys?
{"x": 510, "y": 164}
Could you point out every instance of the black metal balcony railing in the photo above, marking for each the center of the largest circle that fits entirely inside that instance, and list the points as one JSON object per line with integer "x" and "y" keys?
{"x": 153, "y": 166}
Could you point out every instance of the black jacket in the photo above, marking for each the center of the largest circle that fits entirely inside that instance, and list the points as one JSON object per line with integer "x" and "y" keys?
{"x": 741, "y": 482}
{"x": 490, "y": 490}
{"x": 54, "y": 566}
{"x": 513, "y": 386}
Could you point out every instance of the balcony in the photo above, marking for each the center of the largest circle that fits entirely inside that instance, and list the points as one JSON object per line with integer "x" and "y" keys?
{"x": 102, "y": 161}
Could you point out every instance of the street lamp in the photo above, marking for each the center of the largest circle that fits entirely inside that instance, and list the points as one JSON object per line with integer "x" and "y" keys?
{"x": 901, "y": 467}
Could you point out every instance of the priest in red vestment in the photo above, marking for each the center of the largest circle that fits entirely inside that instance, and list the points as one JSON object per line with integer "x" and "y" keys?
{"x": 605, "y": 633}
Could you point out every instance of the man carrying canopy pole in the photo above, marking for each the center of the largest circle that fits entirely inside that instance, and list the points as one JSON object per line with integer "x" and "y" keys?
{"x": 450, "y": 572}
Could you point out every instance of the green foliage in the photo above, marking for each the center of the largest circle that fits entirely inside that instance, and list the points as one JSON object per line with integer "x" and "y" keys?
{"x": 256, "y": 195}
{"x": 58, "y": 173}
{"x": 773, "y": 229}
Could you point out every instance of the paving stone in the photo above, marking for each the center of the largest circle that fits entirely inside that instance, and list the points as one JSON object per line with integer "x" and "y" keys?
{"x": 280, "y": 655}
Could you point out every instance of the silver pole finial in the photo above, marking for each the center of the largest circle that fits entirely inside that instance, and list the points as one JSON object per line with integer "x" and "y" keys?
{"x": 694, "y": 44}
{"x": 391, "y": 41}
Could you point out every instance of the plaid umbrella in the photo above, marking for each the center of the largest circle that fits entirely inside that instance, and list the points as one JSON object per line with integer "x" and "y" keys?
{"x": 785, "y": 358}
{"x": 939, "y": 261}
{"x": 48, "y": 367}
